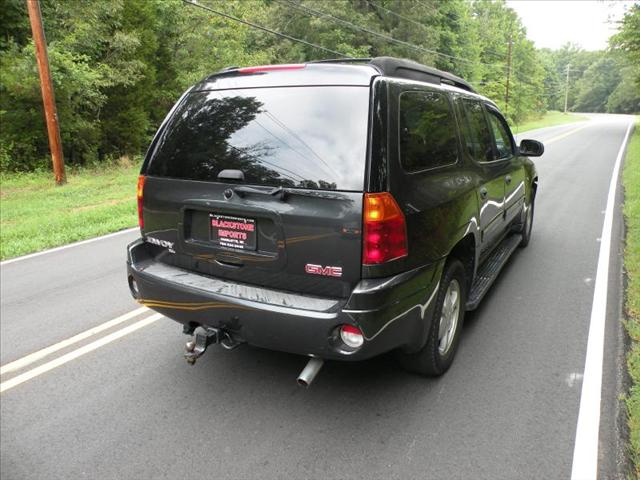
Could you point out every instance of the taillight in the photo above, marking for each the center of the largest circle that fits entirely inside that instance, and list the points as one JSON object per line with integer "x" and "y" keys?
{"x": 385, "y": 230}
{"x": 140, "y": 195}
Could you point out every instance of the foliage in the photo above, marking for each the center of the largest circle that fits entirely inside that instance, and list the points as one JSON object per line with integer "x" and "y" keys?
{"x": 550, "y": 118}
{"x": 628, "y": 39}
{"x": 631, "y": 180}
{"x": 36, "y": 214}
{"x": 119, "y": 65}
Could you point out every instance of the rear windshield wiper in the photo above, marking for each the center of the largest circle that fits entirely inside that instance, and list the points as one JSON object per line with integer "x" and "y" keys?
{"x": 273, "y": 192}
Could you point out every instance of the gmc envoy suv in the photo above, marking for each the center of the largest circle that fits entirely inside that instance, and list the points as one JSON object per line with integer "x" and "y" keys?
{"x": 334, "y": 209}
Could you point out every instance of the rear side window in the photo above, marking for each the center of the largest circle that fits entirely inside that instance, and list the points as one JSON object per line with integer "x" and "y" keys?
{"x": 427, "y": 131}
{"x": 477, "y": 136}
{"x": 501, "y": 135}
{"x": 306, "y": 137}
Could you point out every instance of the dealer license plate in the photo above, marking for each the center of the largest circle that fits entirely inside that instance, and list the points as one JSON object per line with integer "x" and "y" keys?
{"x": 233, "y": 232}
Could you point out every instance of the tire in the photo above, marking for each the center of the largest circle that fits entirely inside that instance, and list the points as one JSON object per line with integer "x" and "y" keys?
{"x": 436, "y": 356}
{"x": 527, "y": 225}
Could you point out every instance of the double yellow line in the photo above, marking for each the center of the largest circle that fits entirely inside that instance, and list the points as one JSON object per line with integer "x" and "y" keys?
{"x": 566, "y": 134}
{"x": 72, "y": 355}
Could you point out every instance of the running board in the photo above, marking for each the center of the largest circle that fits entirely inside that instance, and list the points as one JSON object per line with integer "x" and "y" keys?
{"x": 490, "y": 269}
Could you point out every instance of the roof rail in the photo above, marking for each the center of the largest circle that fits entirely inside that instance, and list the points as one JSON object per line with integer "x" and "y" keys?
{"x": 402, "y": 68}
{"x": 394, "y": 67}
{"x": 343, "y": 60}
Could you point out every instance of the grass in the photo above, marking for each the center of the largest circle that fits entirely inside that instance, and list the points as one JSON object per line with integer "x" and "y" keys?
{"x": 35, "y": 214}
{"x": 549, "y": 119}
{"x": 631, "y": 182}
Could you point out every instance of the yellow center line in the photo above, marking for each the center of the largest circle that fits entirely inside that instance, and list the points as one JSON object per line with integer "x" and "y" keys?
{"x": 566, "y": 134}
{"x": 29, "y": 374}
{"x": 34, "y": 357}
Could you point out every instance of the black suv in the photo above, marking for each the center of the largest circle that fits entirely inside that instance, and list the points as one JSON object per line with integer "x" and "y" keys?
{"x": 332, "y": 209}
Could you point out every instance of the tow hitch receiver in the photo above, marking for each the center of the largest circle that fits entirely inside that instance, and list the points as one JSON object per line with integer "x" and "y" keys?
{"x": 202, "y": 338}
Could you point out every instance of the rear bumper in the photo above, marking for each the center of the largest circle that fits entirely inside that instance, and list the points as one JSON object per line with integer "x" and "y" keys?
{"x": 392, "y": 313}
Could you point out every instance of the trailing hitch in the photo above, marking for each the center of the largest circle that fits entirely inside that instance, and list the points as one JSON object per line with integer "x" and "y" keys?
{"x": 202, "y": 338}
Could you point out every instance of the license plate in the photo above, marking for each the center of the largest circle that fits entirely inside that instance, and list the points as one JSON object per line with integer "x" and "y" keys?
{"x": 233, "y": 232}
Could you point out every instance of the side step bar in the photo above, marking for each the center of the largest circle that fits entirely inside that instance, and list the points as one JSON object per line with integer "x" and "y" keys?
{"x": 490, "y": 269}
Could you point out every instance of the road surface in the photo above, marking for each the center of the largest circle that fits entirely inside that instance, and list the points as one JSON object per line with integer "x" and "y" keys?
{"x": 122, "y": 403}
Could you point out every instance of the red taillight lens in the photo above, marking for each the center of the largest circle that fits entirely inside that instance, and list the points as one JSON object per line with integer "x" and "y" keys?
{"x": 140, "y": 195}
{"x": 271, "y": 68}
{"x": 385, "y": 230}
{"x": 351, "y": 336}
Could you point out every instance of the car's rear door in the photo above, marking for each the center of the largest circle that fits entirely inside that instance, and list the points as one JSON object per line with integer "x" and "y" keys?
{"x": 491, "y": 191}
{"x": 263, "y": 186}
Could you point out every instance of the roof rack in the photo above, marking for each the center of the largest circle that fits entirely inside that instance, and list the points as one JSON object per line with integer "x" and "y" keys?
{"x": 343, "y": 60}
{"x": 396, "y": 67}
{"x": 402, "y": 68}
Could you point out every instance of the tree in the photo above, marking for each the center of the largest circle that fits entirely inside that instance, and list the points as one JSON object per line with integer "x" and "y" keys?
{"x": 628, "y": 39}
{"x": 596, "y": 84}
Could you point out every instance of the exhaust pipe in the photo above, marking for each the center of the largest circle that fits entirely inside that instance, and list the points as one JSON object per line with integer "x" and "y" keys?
{"x": 310, "y": 371}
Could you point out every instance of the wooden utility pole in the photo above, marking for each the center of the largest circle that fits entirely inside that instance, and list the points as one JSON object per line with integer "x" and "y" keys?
{"x": 48, "y": 98}
{"x": 506, "y": 96}
{"x": 566, "y": 89}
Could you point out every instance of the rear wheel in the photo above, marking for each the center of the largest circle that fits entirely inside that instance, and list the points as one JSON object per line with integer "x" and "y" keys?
{"x": 437, "y": 355}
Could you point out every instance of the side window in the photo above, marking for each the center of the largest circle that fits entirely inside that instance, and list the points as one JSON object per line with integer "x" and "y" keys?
{"x": 428, "y": 137}
{"x": 477, "y": 136}
{"x": 501, "y": 134}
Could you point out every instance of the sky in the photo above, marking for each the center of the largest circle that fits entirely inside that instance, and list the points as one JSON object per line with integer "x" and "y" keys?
{"x": 552, "y": 23}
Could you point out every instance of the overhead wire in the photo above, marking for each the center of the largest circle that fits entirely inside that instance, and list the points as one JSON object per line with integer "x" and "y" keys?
{"x": 422, "y": 25}
{"x": 312, "y": 12}
{"x": 265, "y": 29}
{"x": 317, "y": 13}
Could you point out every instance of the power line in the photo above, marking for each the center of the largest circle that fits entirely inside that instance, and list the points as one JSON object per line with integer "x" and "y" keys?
{"x": 424, "y": 27}
{"x": 317, "y": 13}
{"x": 395, "y": 14}
{"x": 265, "y": 29}
{"x": 320, "y": 47}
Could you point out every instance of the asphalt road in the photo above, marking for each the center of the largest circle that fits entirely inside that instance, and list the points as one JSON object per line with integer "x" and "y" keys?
{"x": 507, "y": 409}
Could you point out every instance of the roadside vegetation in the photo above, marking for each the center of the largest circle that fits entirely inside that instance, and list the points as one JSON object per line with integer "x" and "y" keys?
{"x": 36, "y": 214}
{"x": 548, "y": 119}
{"x": 631, "y": 180}
{"x": 118, "y": 66}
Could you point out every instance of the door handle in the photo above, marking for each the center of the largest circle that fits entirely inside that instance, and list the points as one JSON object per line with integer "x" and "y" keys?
{"x": 483, "y": 192}
{"x": 507, "y": 179}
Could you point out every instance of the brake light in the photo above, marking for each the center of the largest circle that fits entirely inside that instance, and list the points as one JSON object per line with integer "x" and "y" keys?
{"x": 140, "y": 194}
{"x": 271, "y": 68}
{"x": 385, "y": 230}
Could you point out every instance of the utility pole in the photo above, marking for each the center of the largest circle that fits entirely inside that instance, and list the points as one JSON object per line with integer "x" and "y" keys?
{"x": 566, "y": 89}
{"x": 506, "y": 96}
{"x": 48, "y": 98}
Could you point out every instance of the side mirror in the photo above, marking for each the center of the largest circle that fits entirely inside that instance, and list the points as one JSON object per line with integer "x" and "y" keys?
{"x": 531, "y": 148}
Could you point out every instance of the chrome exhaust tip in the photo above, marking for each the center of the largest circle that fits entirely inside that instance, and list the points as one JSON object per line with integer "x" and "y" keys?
{"x": 309, "y": 372}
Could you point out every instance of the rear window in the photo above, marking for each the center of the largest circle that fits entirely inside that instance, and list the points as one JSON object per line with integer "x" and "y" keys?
{"x": 427, "y": 131}
{"x": 306, "y": 137}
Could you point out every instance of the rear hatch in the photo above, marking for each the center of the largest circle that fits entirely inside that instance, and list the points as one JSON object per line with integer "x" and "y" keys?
{"x": 262, "y": 186}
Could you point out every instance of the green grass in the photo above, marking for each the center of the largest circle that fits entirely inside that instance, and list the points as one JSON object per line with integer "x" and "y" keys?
{"x": 631, "y": 182}
{"x": 549, "y": 119}
{"x": 35, "y": 214}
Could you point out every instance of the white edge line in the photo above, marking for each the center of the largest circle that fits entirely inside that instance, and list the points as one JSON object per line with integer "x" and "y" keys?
{"x": 28, "y": 375}
{"x": 69, "y": 245}
{"x": 585, "y": 452}
{"x": 34, "y": 357}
